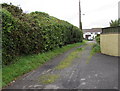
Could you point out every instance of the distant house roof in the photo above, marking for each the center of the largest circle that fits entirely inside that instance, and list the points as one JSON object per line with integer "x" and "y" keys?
{"x": 92, "y": 30}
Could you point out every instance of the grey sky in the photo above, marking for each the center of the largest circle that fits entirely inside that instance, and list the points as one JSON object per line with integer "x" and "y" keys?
{"x": 98, "y": 13}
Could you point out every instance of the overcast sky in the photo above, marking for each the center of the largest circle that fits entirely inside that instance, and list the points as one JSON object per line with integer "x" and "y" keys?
{"x": 98, "y": 13}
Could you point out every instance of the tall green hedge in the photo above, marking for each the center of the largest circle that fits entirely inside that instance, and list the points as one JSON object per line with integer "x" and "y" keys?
{"x": 33, "y": 33}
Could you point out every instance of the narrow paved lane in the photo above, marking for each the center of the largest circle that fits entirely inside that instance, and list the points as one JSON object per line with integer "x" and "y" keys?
{"x": 75, "y": 69}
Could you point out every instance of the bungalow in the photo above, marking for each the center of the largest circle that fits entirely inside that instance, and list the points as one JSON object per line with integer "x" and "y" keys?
{"x": 90, "y": 34}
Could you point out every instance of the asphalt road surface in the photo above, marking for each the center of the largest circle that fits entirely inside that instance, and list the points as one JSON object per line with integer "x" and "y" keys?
{"x": 98, "y": 71}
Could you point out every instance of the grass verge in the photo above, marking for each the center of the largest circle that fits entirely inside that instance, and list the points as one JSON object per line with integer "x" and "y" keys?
{"x": 95, "y": 49}
{"x": 26, "y": 64}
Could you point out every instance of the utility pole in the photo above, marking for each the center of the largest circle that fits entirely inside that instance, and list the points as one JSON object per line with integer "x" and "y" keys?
{"x": 80, "y": 23}
{"x": 119, "y": 13}
{"x": 118, "y": 10}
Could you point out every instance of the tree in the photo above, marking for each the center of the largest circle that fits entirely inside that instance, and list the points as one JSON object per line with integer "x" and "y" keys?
{"x": 115, "y": 23}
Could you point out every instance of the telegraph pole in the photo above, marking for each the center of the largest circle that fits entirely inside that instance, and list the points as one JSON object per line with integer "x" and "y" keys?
{"x": 118, "y": 10}
{"x": 80, "y": 23}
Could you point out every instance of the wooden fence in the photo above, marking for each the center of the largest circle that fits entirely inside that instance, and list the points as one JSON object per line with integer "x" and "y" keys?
{"x": 111, "y": 30}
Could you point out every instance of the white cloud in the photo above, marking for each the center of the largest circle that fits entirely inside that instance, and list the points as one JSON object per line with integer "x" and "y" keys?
{"x": 98, "y": 13}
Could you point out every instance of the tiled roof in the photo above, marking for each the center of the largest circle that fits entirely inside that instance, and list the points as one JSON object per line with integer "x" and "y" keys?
{"x": 93, "y": 30}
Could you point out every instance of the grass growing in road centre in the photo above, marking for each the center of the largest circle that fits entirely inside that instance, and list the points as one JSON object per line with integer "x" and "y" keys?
{"x": 68, "y": 61}
{"x": 48, "y": 78}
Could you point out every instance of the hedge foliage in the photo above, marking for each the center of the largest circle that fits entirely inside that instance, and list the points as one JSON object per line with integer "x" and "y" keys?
{"x": 36, "y": 32}
{"x": 98, "y": 39}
